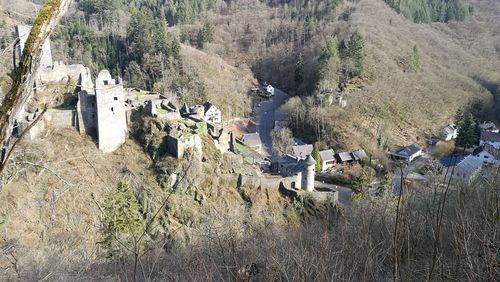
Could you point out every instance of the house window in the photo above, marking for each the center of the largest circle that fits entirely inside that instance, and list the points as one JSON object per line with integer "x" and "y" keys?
{"x": 105, "y": 82}
{"x": 93, "y": 115}
{"x": 486, "y": 157}
{"x": 112, "y": 109}
{"x": 115, "y": 98}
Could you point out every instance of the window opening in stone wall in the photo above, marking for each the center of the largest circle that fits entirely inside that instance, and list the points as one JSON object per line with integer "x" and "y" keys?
{"x": 105, "y": 82}
{"x": 112, "y": 109}
{"x": 115, "y": 98}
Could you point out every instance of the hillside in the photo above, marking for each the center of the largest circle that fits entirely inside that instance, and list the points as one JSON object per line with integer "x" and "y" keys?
{"x": 458, "y": 64}
{"x": 70, "y": 212}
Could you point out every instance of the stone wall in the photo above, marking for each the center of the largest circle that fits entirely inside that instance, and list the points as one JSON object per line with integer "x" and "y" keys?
{"x": 87, "y": 113}
{"x": 61, "y": 118}
{"x": 176, "y": 146}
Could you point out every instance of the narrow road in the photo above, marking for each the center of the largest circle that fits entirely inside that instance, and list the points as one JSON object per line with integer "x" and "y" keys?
{"x": 267, "y": 113}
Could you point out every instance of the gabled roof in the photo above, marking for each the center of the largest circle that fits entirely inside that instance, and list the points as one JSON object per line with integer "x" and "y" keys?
{"x": 409, "y": 150}
{"x": 451, "y": 161}
{"x": 450, "y": 129}
{"x": 359, "y": 155}
{"x": 327, "y": 155}
{"x": 488, "y": 136}
{"x": 345, "y": 157}
{"x": 208, "y": 105}
{"x": 469, "y": 164}
{"x": 251, "y": 139}
{"x": 302, "y": 151}
{"x": 488, "y": 126}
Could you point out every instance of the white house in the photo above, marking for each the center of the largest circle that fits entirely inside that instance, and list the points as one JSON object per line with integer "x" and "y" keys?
{"x": 450, "y": 132}
{"x": 270, "y": 90}
{"x": 327, "y": 159}
{"x": 487, "y": 154}
{"x": 489, "y": 137}
{"x": 212, "y": 113}
{"x": 409, "y": 153}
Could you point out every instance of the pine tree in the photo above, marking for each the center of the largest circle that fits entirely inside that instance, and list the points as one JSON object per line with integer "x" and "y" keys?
{"x": 355, "y": 51}
{"x": 415, "y": 59}
{"x": 122, "y": 218}
{"x": 299, "y": 69}
{"x": 316, "y": 156}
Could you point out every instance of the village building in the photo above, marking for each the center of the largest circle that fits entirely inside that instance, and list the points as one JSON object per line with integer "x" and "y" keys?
{"x": 301, "y": 151}
{"x": 270, "y": 90}
{"x": 344, "y": 157}
{"x": 409, "y": 153}
{"x": 489, "y": 126}
{"x": 302, "y": 171}
{"x": 465, "y": 169}
{"x": 487, "y": 154}
{"x": 359, "y": 155}
{"x": 450, "y": 132}
{"x": 327, "y": 159}
{"x": 253, "y": 141}
{"x": 206, "y": 112}
{"x": 490, "y": 137}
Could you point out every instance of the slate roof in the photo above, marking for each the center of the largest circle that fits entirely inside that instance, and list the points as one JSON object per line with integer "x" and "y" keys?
{"x": 409, "y": 150}
{"x": 469, "y": 164}
{"x": 327, "y": 155}
{"x": 359, "y": 155}
{"x": 207, "y": 106}
{"x": 453, "y": 160}
{"x": 302, "y": 151}
{"x": 488, "y": 136}
{"x": 450, "y": 129}
{"x": 344, "y": 157}
{"x": 488, "y": 126}
{"x": 251, "y": 139}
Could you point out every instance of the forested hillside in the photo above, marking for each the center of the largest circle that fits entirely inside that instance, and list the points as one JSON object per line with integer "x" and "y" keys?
{"x": 404, "y": 68}
{"x": 426, "y": 11}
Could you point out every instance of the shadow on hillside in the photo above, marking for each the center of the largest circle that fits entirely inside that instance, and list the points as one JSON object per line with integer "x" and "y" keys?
{"x": 489, "y": 111}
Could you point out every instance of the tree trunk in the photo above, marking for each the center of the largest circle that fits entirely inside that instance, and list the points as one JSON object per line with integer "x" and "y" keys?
{"x": 26, "y": 73}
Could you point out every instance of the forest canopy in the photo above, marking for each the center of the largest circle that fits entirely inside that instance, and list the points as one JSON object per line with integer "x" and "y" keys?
{"x": 427, "y": 11}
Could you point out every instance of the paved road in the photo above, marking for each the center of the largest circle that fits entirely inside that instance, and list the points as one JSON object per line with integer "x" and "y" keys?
{"x": 411, "y": 167}
{"x": 266, "y": 115}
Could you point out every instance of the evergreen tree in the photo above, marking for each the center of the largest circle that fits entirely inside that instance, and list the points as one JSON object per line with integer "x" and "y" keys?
{"x": 415, "y": 59}
{"x": 468, "y": 131}
{"x": 316, "y": 156}
{"x": 122, "y": 217}
{"x": 355, "y": 51}
{"x": 299, "y": 69}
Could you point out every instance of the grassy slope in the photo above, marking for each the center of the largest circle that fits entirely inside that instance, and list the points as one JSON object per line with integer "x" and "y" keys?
{"x": 413, "y": 105}
{"x": 227, "y": 86}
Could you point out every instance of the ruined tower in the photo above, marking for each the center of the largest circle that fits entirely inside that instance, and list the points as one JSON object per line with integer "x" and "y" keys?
{"x": 111, "y": 118}
{"x": 22, "y": 32}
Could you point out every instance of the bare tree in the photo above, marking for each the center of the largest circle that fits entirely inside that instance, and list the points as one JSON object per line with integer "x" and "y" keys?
{"x": 26, "y": 72}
